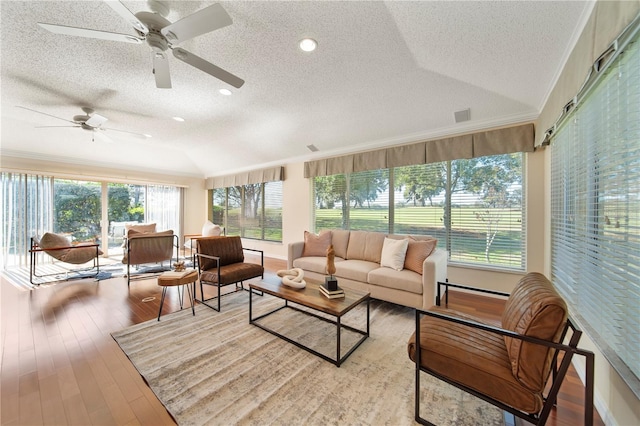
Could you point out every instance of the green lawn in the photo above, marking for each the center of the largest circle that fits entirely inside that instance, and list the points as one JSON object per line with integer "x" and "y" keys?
{"x": 468, "y": 231}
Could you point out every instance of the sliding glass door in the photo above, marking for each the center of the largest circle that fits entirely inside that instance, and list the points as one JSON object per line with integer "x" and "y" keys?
{"x": 125, "y": 206}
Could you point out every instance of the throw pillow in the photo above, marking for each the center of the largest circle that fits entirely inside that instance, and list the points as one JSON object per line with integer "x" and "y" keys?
{"x": 140, "y": 227}
{"x": 210, "y": 229}
{"x": 393, "y": 253}
{"x": 417, "y": 252}
{"x": 316, "y": 245}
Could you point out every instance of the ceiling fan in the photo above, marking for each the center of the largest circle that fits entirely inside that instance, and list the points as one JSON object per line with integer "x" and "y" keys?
{"x": 162, "y": 35}
{"x": 89, "y": 121}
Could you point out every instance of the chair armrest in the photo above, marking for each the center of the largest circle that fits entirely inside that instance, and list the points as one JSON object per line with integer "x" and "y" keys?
{"x": 500, "y": 331}
{"x": 259, "y": 251}
{"x": 199, "y": 255}
{"x": 294, "y": 251}
{"x": 447, "y": 284}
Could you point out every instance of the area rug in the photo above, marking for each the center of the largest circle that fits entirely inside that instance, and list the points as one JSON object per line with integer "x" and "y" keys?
{"x": 217, "y": 369}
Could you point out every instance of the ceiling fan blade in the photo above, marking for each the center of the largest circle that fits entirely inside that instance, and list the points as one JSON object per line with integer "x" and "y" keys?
{"x": 141, "y": 135}
{"x": 44, "y": 113}
{"x": 100, "y": 134}
{"x": 208, "y": 67}
{"x": 161, "y": 70}
{"x": 125, "y": 13}
{"x": 203, "y": 21}
{"x": 83, "y": 32}
{"x": 96, "y": 120}
{"x": 47, "y": 127}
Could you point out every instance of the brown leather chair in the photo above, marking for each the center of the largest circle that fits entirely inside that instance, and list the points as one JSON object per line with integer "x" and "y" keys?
{"x": 149, "y": 248}
{"x": 221, "y": 262}
{"x": 509, "y": 366}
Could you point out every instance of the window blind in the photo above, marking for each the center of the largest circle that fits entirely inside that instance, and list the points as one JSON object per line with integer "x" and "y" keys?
{"x": 595, "y": 213}
{"x": 475, "y": 207}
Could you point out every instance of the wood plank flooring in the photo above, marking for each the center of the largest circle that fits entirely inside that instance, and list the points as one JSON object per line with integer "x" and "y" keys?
{"x": 60, "y": 366}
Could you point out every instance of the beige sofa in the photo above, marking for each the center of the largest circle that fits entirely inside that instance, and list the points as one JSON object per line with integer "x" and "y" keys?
{"x": 358, "y": 256}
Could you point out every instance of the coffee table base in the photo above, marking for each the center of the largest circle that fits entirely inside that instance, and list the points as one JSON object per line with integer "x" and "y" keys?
{"x": 338, "y": 359}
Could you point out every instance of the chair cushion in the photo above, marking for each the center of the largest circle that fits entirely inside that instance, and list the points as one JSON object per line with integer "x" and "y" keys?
{"x": 534, "y": 309}
{"x": 316, "y": 245}
{"x": 228, "y": 249}
{"x": 475, "y": 358}
{"x": 145, "y": 228}
{"x": 148, "y": 247}
{"x": 74, "y": 254}
{"x": 233, "y": 273}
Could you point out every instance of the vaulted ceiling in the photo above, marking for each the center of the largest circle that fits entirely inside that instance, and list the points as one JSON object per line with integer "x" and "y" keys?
{"x": 384, "y": 73}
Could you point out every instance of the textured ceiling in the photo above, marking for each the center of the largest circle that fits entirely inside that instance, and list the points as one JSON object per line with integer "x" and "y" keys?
{"x": 384, "y": 73}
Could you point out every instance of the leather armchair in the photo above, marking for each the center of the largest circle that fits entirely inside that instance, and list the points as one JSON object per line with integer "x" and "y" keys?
{"x": 221, "y": 262}
{"x": 507, "y": 366}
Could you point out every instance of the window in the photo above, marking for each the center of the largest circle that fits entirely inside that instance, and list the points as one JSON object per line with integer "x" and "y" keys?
{"x": 33, "y": 205}
{"x": 595, "y": 212}
{"x": 27, "y": 206}
{"x": 77, "y": 209}
{"x": 474, "y": 207}
{"x": 250, "y": 211}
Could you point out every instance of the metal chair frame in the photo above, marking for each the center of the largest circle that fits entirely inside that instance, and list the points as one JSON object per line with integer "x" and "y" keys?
{"x": 558, "y": 374}
{"x": 162, "y": 267}
{"x": 33, "y": 261}
{"x": 218, "y": 285}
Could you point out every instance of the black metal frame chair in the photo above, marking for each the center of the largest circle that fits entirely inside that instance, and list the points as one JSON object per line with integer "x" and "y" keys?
{"x": 220, "y": 275}
{"x": 147, "y": 249}
{"x": 558, "y": 373}
{"x": 33, "y": 261}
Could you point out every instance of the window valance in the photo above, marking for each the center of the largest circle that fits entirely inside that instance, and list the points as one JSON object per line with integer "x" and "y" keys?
{"x": 493, "y": 142}
{"x": 254, "y": 176}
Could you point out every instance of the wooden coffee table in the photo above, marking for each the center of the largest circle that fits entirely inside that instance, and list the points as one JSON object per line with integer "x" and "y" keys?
{"x": 310, "y": 297}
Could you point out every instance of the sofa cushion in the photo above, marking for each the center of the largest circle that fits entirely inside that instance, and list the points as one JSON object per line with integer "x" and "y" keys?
{"x": 393, "y": 253}
{"x": 534, "y": 309}
{"x": 340, "y": 241}
{"x": 417, "y": 252}
{"x": 405, "y": 280}
{"x": 365, "y": 245}
{"x": 316, "y": 245}
{"x": 314, "y": 263}
{"x": 357, "y": 270}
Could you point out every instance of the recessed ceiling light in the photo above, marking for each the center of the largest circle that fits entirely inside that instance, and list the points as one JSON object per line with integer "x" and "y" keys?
{"x": 308, "y": 44}
{"x": 225, "y": 92}
{"x": 178, "y": 118}
{"x": 147, "y": 135}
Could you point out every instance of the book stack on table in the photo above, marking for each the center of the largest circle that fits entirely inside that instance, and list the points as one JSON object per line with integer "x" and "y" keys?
{"x": 331, "y": 294}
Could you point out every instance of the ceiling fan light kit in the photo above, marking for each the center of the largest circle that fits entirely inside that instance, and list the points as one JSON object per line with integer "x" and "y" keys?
{"x": 161, "y": 35}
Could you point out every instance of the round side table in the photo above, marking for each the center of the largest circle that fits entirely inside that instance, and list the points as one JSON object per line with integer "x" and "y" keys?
{"x": 172, "y": 279}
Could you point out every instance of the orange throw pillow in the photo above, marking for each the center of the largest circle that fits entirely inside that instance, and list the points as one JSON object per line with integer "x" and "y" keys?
{"x": 417, "y": 252}
{"x": 316, "y": 245}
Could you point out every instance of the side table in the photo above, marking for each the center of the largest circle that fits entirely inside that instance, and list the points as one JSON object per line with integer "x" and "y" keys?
{"x": 172, "y": 279}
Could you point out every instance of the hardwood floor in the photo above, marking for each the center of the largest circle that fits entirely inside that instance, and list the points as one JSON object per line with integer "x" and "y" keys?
{"x": 61, "y": 366}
